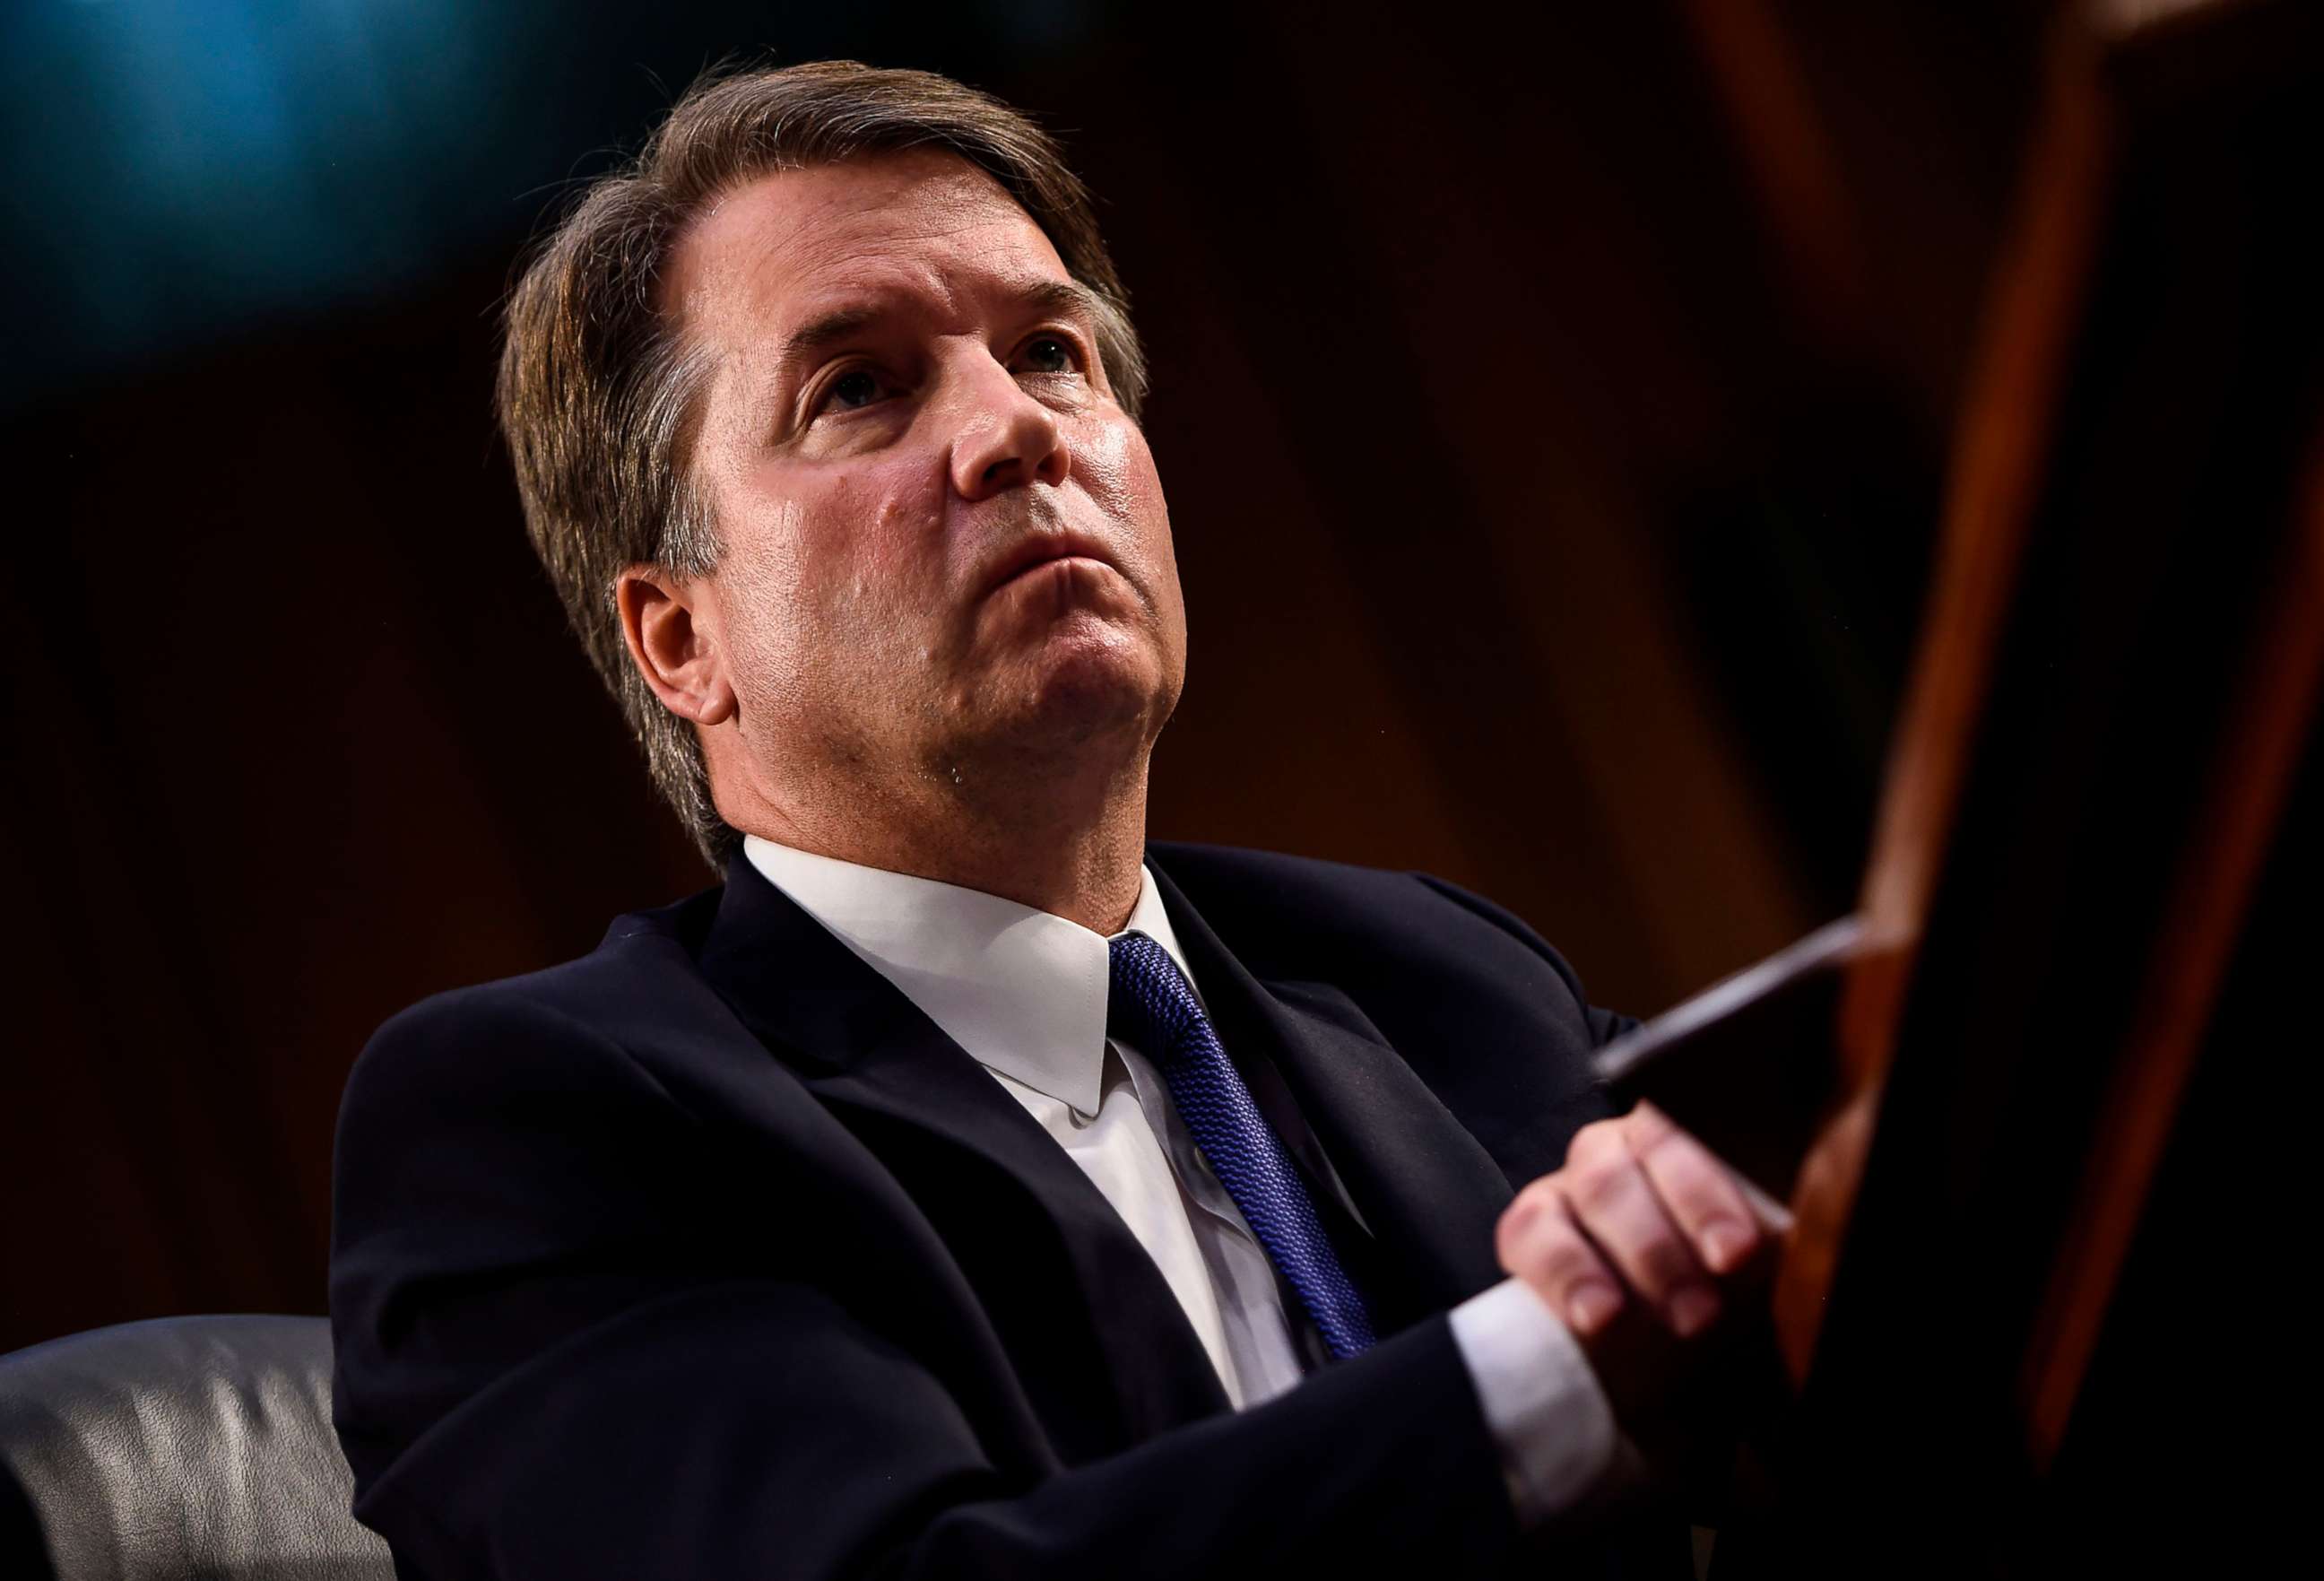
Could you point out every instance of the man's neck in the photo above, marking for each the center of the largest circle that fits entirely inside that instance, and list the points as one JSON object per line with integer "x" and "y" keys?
{"x": 1074, "y": 851}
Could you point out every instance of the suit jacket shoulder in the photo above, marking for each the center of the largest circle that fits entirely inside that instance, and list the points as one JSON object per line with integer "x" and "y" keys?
{"x": 1305, "y": 916}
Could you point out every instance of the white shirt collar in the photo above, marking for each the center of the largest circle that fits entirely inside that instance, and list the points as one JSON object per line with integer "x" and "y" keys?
{"x": 1022, "y": 991}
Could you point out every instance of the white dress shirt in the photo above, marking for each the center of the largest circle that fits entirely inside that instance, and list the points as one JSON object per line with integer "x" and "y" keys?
{"x": 1024, "y": 993}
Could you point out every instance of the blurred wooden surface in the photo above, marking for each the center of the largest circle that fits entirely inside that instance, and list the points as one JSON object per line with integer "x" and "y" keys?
{"x": 2086, "y": 838}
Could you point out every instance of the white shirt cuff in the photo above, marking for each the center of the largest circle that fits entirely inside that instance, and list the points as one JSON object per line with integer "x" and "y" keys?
{"x": 1543, "y": 1404}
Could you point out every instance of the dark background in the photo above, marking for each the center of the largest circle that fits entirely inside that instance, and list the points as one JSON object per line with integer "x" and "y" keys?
{"x": 1554, "y": 410}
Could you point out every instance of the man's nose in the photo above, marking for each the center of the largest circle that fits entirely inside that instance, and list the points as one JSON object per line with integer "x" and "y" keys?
{"x": 1006, "y": 439}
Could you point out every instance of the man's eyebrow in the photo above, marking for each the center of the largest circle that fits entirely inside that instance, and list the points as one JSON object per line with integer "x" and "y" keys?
{"x": 821, "y": 333}
{"x": 1069, "y": 298}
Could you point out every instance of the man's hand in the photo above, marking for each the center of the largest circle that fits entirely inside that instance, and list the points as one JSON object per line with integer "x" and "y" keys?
{"x": 1651, "y": 1252}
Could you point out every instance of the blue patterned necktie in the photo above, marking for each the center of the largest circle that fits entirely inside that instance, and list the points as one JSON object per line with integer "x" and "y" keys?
{"x": 1153, "y": 1007}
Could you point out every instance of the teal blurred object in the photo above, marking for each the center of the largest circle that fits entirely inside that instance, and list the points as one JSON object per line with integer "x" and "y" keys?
{"x": 184, "y": 171}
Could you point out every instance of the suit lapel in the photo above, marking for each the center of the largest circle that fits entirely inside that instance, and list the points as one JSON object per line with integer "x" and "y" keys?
{"x": 1102, "y": 1347}
{"x": 1427, "y": 1189}
{"x": 1100, "y": 1344}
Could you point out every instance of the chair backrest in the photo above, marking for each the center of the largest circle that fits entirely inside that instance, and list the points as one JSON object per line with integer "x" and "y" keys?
{"x": 177, "y": 1449}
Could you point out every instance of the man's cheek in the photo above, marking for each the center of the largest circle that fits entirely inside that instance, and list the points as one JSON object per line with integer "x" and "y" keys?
{"x": 1117, "y": 471}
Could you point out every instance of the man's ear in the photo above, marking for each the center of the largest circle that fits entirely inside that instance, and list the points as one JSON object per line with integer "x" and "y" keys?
{"x": 675, "y": 651}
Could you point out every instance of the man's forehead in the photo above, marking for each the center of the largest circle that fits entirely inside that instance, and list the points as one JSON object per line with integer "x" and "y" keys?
{"x": 793, "y": 245}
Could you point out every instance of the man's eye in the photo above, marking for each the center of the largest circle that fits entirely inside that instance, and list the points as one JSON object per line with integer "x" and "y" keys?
{"x": 1050, "y": 353}
{"x": 855, "y": 388}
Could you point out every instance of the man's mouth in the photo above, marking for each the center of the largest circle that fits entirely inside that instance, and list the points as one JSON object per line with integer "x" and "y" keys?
{"x": 1031, "y": 554}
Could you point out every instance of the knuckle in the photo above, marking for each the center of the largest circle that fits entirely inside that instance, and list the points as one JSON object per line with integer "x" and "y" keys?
{"x": 1552, "y": 1254}
{"x": 1598, "y": 1187}
{"x": 1566, "y": 1263}
{"x": 1695, "y": 1199}
{"x": 1648, "y": 1127}
{"x": 1538, "y": 1194}
{"x": 1669, "y": 1148}
{"x": 1594, "y": 1142}
{"x": 1535, "y": 1208}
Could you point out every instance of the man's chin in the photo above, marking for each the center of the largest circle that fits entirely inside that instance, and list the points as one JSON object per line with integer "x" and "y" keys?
{"x": 1084, "y": 693}
{"x": 1081, "y": 688}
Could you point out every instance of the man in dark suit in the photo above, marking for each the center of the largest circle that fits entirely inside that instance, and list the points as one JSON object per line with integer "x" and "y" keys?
{"x": 966, "y": 1187}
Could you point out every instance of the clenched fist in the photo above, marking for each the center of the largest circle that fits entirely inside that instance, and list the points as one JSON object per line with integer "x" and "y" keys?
{"x": 1648, "y": 1248}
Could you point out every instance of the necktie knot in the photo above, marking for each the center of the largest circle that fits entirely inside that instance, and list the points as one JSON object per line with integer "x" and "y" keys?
{"x": 1153, "y": 1006}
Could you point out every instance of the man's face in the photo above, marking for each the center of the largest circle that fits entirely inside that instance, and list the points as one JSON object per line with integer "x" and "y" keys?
{"x": 945, "y": 549}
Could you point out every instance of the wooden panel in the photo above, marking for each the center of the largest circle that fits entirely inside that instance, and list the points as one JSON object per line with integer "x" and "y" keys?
{"x": 2117, "y": 682}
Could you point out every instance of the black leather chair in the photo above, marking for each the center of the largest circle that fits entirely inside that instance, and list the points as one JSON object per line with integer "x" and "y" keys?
{"x": 180, "y": 1449}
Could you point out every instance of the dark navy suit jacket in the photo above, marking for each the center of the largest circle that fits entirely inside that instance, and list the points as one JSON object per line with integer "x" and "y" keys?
{"x": 709, "y": 1256}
